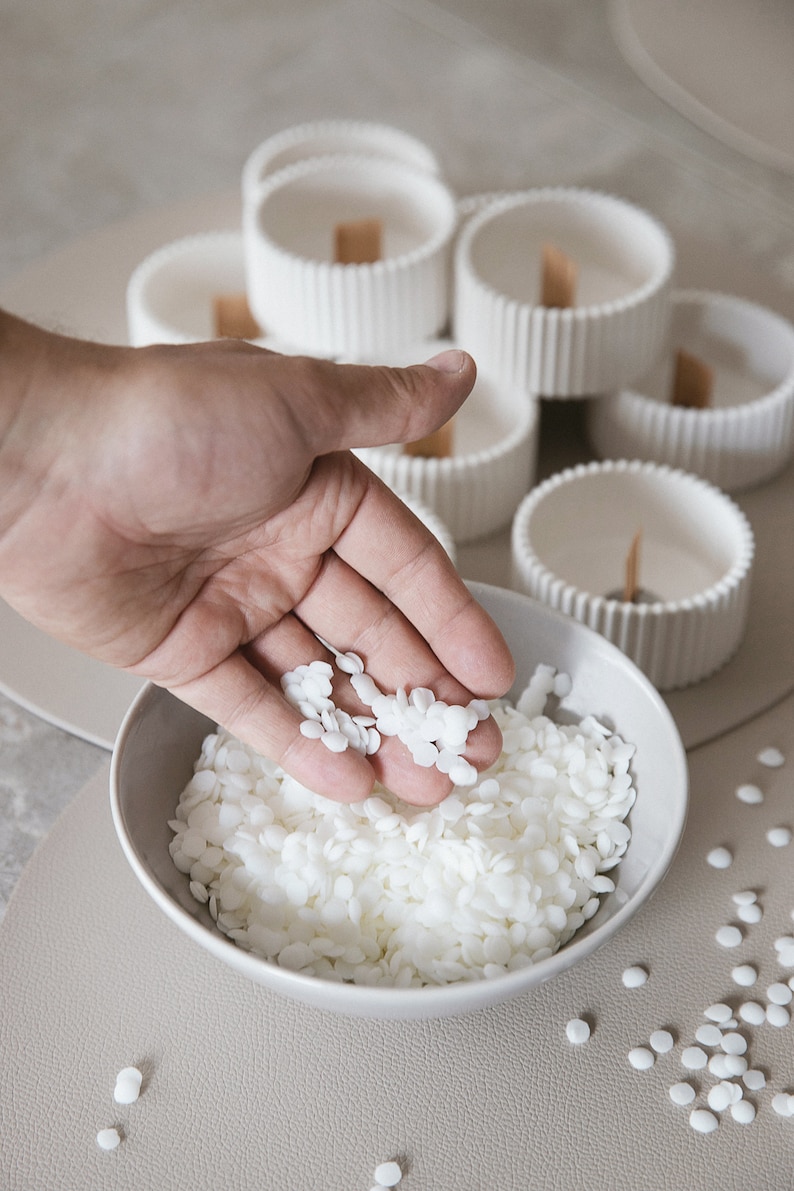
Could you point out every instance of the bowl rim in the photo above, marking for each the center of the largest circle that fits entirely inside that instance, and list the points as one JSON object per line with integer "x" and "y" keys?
{"x": 429, "y": 1001}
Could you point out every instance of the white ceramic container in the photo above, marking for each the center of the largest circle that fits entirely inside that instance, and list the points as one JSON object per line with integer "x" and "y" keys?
{"x": 746, "y": 434}
{"x": 170, "y": 293}
{"x": 624, "y": 260}
{"x": 570, "y": 540}
{"x": 161, "y": 737}
{"x": 477, "y": 488}
{"x": 303, "y": 296}
{"x": 319, "y": 138}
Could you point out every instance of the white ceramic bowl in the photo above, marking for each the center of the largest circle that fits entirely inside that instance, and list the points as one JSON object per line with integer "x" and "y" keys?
{"x": 570, "y": 540}
{"x": 624, "y": 259}
{"x": 161, "y": 737}
{"x": 746, "y": 435}
{"x": 303, "y": 296}
{"x": 170, "y": 293}
{"x": 476, "y": 489}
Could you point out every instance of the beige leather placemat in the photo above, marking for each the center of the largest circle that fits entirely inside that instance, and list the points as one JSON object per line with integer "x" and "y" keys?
{"x": 724, "y": 64}
{"x": 244, "y": 1090}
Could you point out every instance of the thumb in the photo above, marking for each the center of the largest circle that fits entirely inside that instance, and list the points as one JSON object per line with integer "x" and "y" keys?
{"x": 363, "y": 405}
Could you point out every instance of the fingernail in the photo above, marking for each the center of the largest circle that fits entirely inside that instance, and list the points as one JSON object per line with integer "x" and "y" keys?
{"x": 452, "y": 360}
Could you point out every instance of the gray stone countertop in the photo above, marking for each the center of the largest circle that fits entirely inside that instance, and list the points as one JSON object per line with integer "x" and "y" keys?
{"x": 112, "y": 109}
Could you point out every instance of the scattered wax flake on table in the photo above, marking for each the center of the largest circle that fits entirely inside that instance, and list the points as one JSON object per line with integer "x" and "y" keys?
{"x": 779, "y": 837}
{"x": 641, "y": 1058}
{"x": 662, "y": 1041}
{"x": 128, "y": 1085}
{"x": 577, "y": 1031}
{"x": 703, "y": 1121}
{"x": 379, "y": 892}
{"x": 388, "y": 1174}
{"x": 634, "y": 976}
{"x": 720, "y": 857}
{"x": 682, "y": 1093}
{"x": 750, "y": 794}
{"x": 745, "y": 975}
{"x": 728, "y": 936}
{"x": 108, "y": 1139}
{"x": 771, "y": 757}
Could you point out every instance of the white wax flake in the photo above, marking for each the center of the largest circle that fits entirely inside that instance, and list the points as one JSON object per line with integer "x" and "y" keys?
{"x": 744, "y": 897}
{"x": 750, "y": 914}
{"x": 779, "y": 993}
{"x": 693, "y": 1058}
{"x": 783, "y": 1104}
{"x": 728, "y": 936}
{"x": 641, "y": 1058}
{"x": 754, "y": 1080}
{"x": 703, "y": 1121}
{"x": 682, "y": 1093}
{"x": 388, "y": 1174}
{"x": 779, "y": 837}
{"x": 734, "y": 1043}
{"x": 708, "y": 1035}
{"x": 723, "y": 1094}
{"x": 577, "y": 1031}
{"x": 745, "y": 975}
{"x": 128, "y": 1085}
{"x": 108, "y": 1139}
{"x": 719, "y": 1012}
{"x": 750, "y": 794}
{"x": 753, "y": 1013}
{"x": 662, "y": 1041}
{"x": 771, "y": 757}
{"x": 634, "y": 976}
{"x": 743, "y": 1111}
{"x": 777, "y": 1015}
{"x": 499, "y": 875}
{"x": 720, "y": 857}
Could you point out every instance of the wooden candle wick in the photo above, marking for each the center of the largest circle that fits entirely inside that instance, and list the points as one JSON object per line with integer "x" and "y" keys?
{"x": 358, "y": 242}
{"x": 631, "y": 584}
{"x": 559, "y": 276}
{"x": 232, "y": 318}
{"x": 693, "y": 381}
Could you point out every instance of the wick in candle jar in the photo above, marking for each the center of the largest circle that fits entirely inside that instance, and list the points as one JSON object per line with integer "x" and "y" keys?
{"x": 693, "y": 381}
{"x": 232, "y": 318}
{"x": 358, "y": 242}
{"x": 631, "y": 592}
{"x": 559, "y": 275}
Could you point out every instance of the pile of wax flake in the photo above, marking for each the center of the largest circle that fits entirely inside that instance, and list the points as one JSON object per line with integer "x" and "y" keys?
{"x": 496, "y": 877}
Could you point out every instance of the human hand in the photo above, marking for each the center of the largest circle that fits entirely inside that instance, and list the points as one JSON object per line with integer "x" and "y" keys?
{"x": 192, "y": 515}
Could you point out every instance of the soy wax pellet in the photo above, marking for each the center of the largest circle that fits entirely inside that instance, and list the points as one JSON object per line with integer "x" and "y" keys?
{"x": 577, "y": 1031}
{"x": 744, "y": 975}
{"x": 718, "y": 1012}
{"x": 388, "y": 1174}
{"x": 771, "y": 757}
{"x": 777, "y": 1015}
{"x": 641, "y": 1058}
{"x": 108, "y": 1139}
{"x": 634, "y": 977}
{"x": 708, "y": 1035}
{"x": 779, "y": 837}
{"x": 728, "y": 936}
{"x": 779, "y": 993}
{"x": 720, "y": 858}
{"x": 753, "y": 1013}
{"x": 682, "y": 1093}
{"x": 703, "y": 1121}
{"x": 693, "y": 1058}
{"x": 743, "y": 1112}
{"x": 662, "y": 1041}
{"x": 750, "y": 794}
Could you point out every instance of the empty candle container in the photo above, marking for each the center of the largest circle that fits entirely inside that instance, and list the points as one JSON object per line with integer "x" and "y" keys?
{"x": 355, "y": 304}
{"x": 737, "y": 429}
{"x": 563, "y": 292}
{"x": 655, "y": 559}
